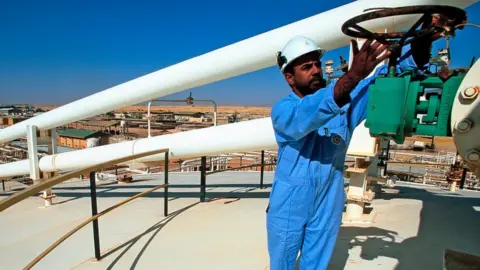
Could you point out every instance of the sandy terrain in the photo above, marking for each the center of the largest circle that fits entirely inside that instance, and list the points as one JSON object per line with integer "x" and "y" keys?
{"x": 221, "y": 109}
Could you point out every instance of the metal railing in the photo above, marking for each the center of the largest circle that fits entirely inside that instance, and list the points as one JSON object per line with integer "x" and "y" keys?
{"x": 204, "y": 173}
{"x": 22, "y": 195}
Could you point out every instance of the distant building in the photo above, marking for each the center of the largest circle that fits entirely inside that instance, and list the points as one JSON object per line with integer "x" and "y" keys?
{"x": 10, "y": 111}
{"x": 192, "y": 126}
{"x": 189, "y": 116}
{"x": 80, "y": 138}
{"x": 165, "y": 116}
{"x": 107, "y": 126}
{"x": 121, "y": 115}
{"x": 223, "y": 120}
{"x": 10, "y": 120}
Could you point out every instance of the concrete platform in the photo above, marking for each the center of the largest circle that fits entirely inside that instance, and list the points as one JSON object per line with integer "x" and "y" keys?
{"x": 410, "y": 231}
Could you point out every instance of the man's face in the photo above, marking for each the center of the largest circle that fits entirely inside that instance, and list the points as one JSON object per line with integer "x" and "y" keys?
{"x": 307, "y": 76}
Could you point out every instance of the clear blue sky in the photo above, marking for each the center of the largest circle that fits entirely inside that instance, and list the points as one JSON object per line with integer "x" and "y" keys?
{"x": 54, "y": 52}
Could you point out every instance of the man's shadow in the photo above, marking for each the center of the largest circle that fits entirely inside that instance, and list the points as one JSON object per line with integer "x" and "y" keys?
{"x": 447, "y": 221}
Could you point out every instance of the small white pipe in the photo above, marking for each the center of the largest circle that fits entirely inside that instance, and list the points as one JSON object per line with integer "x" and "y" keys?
{"x": 33, "y": 152}
{"x": 148, "y": 118}
{"x": 215, "y": 117}
{"x": 245, "y": 56}
{"x": 15, "y": 168}
{"x": 214, "y": 109}
{"x": 53, "y": 147}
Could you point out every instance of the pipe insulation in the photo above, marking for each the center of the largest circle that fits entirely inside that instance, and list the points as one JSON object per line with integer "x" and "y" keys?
{"x": 253, "y": 135}
{"x": 15, "y": 168}
{"x": 248, "y": 55}
{"x": 245, "y": 56}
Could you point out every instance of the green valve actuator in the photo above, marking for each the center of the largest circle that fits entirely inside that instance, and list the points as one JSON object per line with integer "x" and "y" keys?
{"x": 394, "y": 105}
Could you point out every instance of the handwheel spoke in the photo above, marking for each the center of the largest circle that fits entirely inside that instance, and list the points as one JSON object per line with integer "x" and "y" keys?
{"x": 424, "y": 32}
{"x": 413, "y": 29}
{"x": 363, "y": 30}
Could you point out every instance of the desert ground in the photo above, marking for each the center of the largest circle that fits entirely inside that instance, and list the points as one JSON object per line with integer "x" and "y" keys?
{"x": 180, "y": 108}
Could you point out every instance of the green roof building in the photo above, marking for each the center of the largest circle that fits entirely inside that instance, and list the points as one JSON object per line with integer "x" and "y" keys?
{"x": 77, "y": 138}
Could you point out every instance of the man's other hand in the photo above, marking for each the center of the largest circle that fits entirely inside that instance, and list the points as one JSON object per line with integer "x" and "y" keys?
{"x": 367, "y": 58}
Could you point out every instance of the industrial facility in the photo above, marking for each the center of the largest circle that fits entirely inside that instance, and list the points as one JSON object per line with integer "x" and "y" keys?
{"x": 112, "y": 182}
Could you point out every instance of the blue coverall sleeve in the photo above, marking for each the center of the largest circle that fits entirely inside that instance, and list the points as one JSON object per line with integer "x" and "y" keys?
{"x": 359, "y": 99}
{"x": 359, "y": 96}
{"x": 293, "y": 119}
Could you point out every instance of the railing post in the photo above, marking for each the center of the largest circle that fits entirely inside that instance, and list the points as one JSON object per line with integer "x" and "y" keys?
{"x": 464, "y": 175}
{"x": 386, "y": 159}
{"x": 203, "y": 179}
{"x": 165, "y": 193}
{"x": 262, "y": 169}
{"x": 3, "y": 185}
{"x": 93, "y": 196}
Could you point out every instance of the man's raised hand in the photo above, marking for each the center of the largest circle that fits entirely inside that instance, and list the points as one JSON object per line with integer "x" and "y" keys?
{"x": 367, "y": 58}
{"x": 364, "y": 62}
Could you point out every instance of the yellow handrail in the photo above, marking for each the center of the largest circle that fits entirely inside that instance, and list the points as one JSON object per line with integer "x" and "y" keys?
{"x": 24, "y": 194}
{"x": 70, "y": 233}
{"x": 241, "y": 167}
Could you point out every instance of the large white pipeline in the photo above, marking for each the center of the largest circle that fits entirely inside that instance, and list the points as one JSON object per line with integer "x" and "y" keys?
{"x": 239, "y": 58}
{"x": 250, "y": 135}
{"x": 248, "y": 55}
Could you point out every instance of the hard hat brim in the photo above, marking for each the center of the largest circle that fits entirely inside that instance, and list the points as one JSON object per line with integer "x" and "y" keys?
{"x": 320, "y": 51}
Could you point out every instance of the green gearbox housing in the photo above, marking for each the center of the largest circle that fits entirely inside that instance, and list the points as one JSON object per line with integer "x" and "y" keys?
{"x": 394, "y": 105}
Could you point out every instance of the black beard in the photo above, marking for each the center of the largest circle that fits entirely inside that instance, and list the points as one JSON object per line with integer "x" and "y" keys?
{"x": 310, "y": 89}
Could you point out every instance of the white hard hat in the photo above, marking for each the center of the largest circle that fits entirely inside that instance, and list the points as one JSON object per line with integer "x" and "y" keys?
{"x": 296, "y": 47}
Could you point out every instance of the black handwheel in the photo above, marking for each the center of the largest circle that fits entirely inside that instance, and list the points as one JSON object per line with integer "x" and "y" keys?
{"x": 453, "y": 17}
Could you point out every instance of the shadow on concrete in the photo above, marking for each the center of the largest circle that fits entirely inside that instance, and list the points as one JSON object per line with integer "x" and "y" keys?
{"x": 238, "y": 191}
{"x": 446, "y": 222}
{"x": 109, "y": 191}
{"x": 56, "y": 202}
{"x": 171, "y": 195}
{"x": 156, "y": 228}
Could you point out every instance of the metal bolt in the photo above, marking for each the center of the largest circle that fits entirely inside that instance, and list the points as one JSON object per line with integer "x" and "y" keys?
{"x": 470, "y": 92}
{"x": 473, "y": 155}
{"x": 464, "y": 125}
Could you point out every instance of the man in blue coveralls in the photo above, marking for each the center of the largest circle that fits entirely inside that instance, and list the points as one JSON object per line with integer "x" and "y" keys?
{"x": 313, "y": 126}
